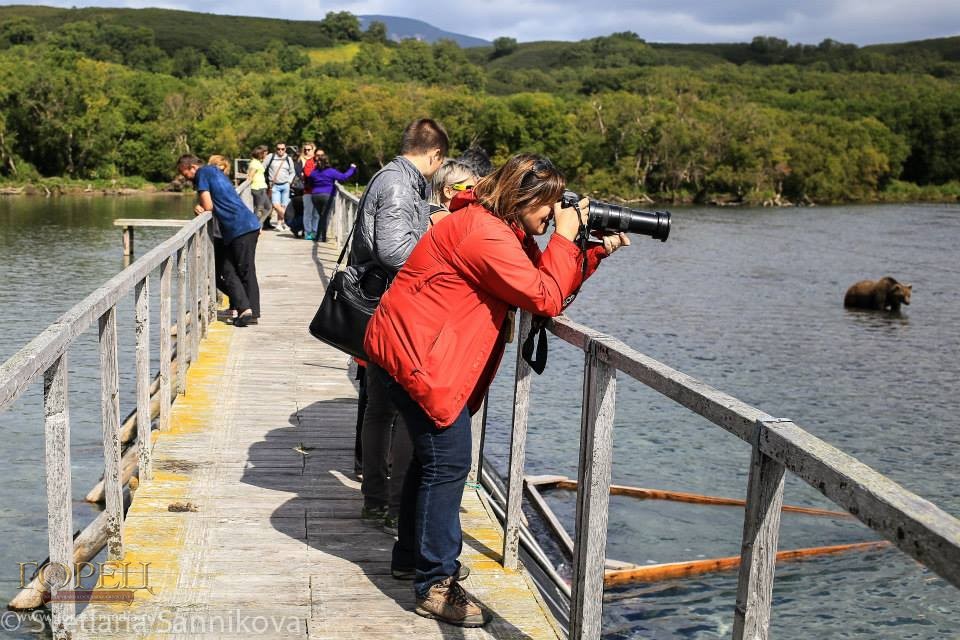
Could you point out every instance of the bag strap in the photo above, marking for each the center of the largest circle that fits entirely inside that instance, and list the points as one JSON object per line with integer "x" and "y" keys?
{"x": 356, "y": 223}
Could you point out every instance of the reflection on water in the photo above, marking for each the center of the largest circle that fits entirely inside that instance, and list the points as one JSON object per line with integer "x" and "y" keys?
{"x": 749, "y": 301}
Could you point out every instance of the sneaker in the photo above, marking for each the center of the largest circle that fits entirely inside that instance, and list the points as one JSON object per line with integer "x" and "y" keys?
{"x": 373, "y": 513}
{"x": 310, "y": 236}
{"x": 448, "y": 602}
{"x": 390, "y": 524}
{"x": 409, "y": 574}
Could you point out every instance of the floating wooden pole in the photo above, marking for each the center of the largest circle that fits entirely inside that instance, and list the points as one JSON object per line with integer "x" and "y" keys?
{"x": 673, "y": 570}
{"x": 552, "y": 482}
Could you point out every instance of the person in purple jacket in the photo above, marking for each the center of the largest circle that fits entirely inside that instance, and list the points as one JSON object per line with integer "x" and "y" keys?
{"x": 320, "y": 184}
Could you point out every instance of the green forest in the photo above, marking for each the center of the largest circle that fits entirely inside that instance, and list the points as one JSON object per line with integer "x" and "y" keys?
{"x": 119, "y": 94}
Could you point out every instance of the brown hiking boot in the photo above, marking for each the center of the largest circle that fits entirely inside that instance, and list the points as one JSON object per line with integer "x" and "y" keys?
{"x": 448, "y": 602}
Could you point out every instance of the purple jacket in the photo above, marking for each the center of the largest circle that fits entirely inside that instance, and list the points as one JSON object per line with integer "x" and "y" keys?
{"x": 320, "y": 181}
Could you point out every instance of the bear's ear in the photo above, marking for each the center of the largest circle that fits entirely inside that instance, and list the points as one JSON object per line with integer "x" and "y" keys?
{"x": 909, "y": 286}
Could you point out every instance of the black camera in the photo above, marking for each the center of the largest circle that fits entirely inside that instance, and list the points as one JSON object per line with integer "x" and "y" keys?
{"x": 604, "y": 216}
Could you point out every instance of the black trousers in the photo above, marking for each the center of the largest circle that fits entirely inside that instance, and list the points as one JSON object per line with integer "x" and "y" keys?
{"x": 322, "y": 203}
{"x": 240, "y": 273}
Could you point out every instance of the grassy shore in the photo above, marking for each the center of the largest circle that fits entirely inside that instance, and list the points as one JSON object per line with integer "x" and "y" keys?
{"x": 70, "y": 186}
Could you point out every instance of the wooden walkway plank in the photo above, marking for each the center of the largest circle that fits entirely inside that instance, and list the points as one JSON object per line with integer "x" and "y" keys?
{"x": 253, "y": 510}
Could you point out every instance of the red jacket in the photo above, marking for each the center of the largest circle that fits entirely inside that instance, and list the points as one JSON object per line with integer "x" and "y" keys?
{"x": 437, "y": 329}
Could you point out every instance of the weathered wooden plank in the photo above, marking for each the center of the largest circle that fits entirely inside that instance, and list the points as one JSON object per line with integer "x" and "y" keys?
{"x": 194, "y": 296}
{"x": 182, "y": 339}
{"x": 518, "y": 447}
{"x": 478, "y": 423}
{"x": 533, "y": 495}
{"x": 59, "y": 491}
{"x": 758, "y": 551}
{"x": 204, "y": 282}
{"x": 37, "y": 356}
{"x": 918, "y": 527}
{"x": 166, "y": 343}
{"x": 142, "y": 319}
{"x": 110, "y": 412}
{"x": 128, "y": 241}
{"x": 211, "y": 275}
{"x": 596, "y": 454}
{"x": 149, "y": 222}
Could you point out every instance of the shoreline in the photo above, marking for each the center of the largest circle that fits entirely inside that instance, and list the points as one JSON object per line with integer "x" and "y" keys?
{"x": 99, "y": 189}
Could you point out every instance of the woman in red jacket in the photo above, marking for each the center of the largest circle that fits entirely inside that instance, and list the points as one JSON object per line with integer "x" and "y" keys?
{"x": 436, "y": 341}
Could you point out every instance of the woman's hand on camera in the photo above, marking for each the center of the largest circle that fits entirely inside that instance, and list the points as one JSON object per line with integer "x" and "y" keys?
{"x": 568, "y": 224}
{"x": 613, "y": 241}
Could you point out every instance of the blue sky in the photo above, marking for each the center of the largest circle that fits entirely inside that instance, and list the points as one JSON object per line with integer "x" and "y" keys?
{"x": 857, "y": 21}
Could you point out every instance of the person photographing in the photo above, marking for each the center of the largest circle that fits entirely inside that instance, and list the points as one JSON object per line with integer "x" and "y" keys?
{"x": 437, "y": 338}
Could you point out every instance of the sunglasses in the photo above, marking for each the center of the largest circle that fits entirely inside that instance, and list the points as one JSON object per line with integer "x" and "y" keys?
{"x": 461, "y": 186}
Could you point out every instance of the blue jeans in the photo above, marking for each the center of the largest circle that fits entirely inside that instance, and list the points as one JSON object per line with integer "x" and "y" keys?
{"x": 430, "y": 538}
{"x": 280, "y": 194}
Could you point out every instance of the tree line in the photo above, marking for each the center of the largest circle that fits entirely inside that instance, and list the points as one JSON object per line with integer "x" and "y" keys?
{"x": 100, "y": 100}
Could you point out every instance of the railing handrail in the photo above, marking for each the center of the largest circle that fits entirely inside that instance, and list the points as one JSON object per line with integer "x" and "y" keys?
{"x": 915, "y": 525}
{"x": 41, "y": 353}
{"x": 921, "y": 529}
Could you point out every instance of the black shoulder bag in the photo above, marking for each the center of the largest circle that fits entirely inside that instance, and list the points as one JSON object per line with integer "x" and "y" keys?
{"x": 352, "y": 296}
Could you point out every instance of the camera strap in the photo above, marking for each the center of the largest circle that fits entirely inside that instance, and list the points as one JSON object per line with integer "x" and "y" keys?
{"x": 538, "y": 331}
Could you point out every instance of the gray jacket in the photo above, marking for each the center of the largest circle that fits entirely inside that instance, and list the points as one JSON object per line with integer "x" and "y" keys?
{"x": 395, "y": 213}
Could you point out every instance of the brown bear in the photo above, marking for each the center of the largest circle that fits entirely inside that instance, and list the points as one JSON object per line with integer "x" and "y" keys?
{"x": 885, "y": 293}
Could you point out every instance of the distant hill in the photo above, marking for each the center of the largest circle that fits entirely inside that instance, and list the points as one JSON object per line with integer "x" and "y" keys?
{"x": 403, "y": 28}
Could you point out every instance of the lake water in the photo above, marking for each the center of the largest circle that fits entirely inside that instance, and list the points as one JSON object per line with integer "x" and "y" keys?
{"x": 749, "y": 301}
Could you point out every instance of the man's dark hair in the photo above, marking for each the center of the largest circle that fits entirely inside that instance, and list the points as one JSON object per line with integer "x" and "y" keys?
{"x": 478, "y": 160}
{"x": 422, "y": 136}
{"x": 188, "y": 160}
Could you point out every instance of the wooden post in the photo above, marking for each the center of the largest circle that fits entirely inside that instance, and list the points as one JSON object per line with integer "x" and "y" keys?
{"x": 59, "y": 491}
{"x": 142, "y": 294}
{"x": 182, "y": 348}
{"x": 128, "y": 241}
{"x": 593, "y": 498}
{"x": 110, "y": 411}
{"x": 194, "y": 297}
{"x": 203, "y": 264}
{"x": 758, "y": 552}
{"x": 477, "y": 424}
{"x": 166, "y": 344}
{"x": 212, "y": 305}
{"x": 518, "y": 447}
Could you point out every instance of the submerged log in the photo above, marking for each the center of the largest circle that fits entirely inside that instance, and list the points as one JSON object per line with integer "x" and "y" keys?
{"x": 86, "y": 545}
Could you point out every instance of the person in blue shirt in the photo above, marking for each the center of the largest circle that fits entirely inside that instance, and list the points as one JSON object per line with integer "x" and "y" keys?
{"x": 239, "y": 228}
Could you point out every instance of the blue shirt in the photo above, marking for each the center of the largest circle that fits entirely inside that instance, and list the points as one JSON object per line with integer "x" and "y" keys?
{"x": 234, "y": 217}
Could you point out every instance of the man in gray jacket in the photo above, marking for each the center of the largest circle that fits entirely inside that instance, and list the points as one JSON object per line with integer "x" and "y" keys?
{"x": 393, "y": 217}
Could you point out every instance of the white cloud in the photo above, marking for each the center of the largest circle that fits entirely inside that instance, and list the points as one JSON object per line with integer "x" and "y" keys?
{"x": 859, "y": 21}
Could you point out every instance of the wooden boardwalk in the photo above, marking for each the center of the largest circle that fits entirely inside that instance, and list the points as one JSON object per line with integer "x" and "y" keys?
{"x": 252, "y": 525}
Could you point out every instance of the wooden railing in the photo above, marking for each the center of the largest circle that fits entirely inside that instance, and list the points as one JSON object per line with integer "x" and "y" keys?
{"x": 918, "y": 527}
{"x": 190, "y": 251}
{"x": 344, "y": 214}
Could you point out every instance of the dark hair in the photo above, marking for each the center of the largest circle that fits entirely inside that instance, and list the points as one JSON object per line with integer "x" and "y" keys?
{"x": 524, "y": 181}
{"x": 260, "y": 152}
{"x": 423, "y": 136}
{"x": 478, "y": 160}
{"x": 188, "y": 160}
{"x": 321, "y": 161}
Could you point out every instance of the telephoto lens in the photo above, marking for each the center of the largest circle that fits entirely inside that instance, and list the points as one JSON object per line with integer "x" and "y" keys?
{"x": 605, "y": 216}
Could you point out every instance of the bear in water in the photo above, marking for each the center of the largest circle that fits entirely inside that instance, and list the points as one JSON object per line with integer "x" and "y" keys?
{"x": 885, "y": 293}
